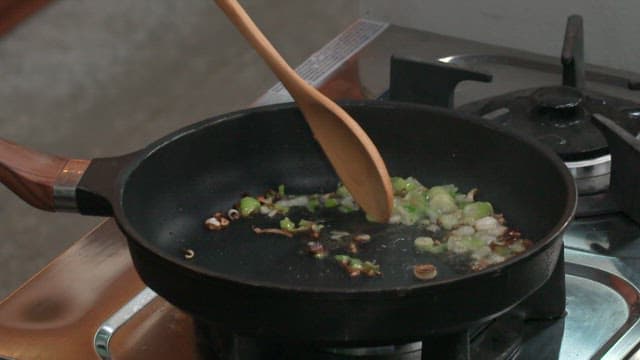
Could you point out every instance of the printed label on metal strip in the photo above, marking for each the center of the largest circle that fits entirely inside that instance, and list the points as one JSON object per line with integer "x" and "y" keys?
{"x": 320, "y": 65}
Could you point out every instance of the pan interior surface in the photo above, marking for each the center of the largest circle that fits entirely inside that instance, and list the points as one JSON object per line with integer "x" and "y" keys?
{"x": 207, "y": 169}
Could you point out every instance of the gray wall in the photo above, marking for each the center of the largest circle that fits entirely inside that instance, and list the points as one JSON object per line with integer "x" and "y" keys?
{"x": 612, "y": 29}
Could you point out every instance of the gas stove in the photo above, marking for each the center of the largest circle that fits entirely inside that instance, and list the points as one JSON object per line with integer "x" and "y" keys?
{"x": 89, "y": 302}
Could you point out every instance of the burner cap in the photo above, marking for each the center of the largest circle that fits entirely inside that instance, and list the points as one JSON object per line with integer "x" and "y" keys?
{"x": 557, "y": 116}
{"x": 557, "y": 98}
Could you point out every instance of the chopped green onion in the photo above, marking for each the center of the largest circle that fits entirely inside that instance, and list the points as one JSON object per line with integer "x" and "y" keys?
{"x": 477, "y": 210}
{"x": 472, "y": 242}
{"x": 344, "y": 259}
{"x": 442, "y": 189}
{"x": 411, "y": 209}
{"x": 502, "y": 250}
{"x": 426, "y": 244}
{"x": 453, "y": 221}
{"x": 305, "y": 224}
{"x": 330, "y": 203}
{"x": 443, "y": 203}
{"x": 355, "y": 264}
{"x": 403, "y": 186}
{"x": 371, "y": 268}
{"x": 398, "y": 184}
{"x": 321, "y": 255}
{"x": 411, "y": 184}
{"x": 287, "y": 224}
{"x": 417, "y": 198}
{"x": 281, "y": 209}
{"x": 346, "y": 209}
{"x": 342, "y": 191}
{"x": 249, "y": 205}
{"x": 313, "y": 204}
{"x": 423, "y": 243}
{"x": 449, "y": 221}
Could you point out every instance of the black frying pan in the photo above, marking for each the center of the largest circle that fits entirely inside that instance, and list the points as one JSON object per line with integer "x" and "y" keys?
{"x": 262, "y": 284}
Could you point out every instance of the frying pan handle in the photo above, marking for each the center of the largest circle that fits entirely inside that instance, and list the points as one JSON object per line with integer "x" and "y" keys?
{"x": 45, "y": 181}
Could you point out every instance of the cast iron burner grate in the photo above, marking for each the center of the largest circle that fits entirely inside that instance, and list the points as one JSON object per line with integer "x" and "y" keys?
{"x": 498, "y": 339}
{"x": 558, "y": 116}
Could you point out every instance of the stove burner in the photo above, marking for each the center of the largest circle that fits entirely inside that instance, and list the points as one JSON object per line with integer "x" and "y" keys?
{"x": 559, "y": 100}
{"x": 557, "y": 116}
{"x": 560, "y": 116}
{"x": 500, "y": 339}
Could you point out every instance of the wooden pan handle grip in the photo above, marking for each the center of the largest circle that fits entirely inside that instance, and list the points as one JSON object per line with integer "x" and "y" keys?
{"x": 32, "y": 175}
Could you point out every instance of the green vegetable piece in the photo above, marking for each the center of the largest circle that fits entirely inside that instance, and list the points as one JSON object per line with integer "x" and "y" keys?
{"x": 442, "y": 189}
{"x": 413, "y": 184}
{"x": 249, "y": 205}
{"x": 411, "y": 209}
{"x": 502, "y": 251}
{"x": 321, "y": 255}
{"x": 402, "y": 186}
{"x": 438, "y": 249}
{"x": 281, "y": 190}
{"x": 462, "y": 200}
{"x": 287, "y": 224}
{"x": 477, "y": 210}
{"x": 417, "y": 198}
{"x": 313, "y": 204}
{"x": 431, "y": 214}
{"x": 399, "y": 185}
{"x": 442, "y": 202}
{"x": 472, "y": 242}
{"x": 355, "y": 264}
{"x": 517, "y": 247}
{"x": 342, "y": 191}
{"x": 281, "y": 209}
{"x": 305, "y": 224}
{"x": 370, "y": 267}
{"x": 423, "y": 243}
{"x": 330, "y": 203}
{"x": 344, "y": 259}
{"x": 449, "y": 221}
{"x": 408, "y": 215}
{"x": 346, "y": 209}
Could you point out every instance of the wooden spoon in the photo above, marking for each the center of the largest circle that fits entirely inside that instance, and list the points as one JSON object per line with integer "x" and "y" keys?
{"x": 351, "y": 152}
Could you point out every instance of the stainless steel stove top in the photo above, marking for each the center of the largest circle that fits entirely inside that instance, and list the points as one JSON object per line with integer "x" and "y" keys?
{"x": 602, "y": 253}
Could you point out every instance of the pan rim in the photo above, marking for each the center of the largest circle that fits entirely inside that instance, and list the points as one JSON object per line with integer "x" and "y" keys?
{"x": 194, "y": 270}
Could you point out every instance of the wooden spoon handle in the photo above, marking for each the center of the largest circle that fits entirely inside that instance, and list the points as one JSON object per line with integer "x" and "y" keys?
{"x": 32, "y": 175}
{"x": 289, "y": 78}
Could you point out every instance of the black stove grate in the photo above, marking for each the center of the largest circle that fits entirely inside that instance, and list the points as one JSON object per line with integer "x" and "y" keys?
{"x": 498, "y": 339}
{"x": 561, "y": 117}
